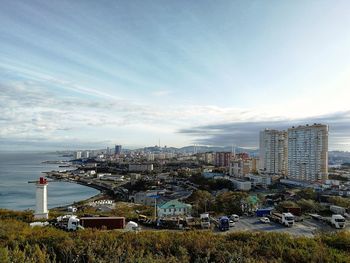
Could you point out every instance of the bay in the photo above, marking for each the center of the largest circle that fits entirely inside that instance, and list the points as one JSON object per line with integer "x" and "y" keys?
{"x": 17, "y": 168}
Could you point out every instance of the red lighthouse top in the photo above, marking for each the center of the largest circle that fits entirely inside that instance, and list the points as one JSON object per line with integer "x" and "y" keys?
{"x": 42, "y": 180}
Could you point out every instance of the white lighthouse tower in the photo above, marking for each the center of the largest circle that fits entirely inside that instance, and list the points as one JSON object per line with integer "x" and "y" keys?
{"x": 41, "y": 211}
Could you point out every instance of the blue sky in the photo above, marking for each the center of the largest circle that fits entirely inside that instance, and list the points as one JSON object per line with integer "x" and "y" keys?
{"x": 87, "y": 74}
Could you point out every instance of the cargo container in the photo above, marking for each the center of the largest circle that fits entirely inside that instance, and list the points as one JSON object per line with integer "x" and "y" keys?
{"x": 294, "y": 210}
{"x": 263, "y": 212}
{"x": 103, "y": 222}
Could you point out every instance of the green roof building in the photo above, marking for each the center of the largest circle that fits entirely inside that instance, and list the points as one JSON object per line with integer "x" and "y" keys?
{"x": 173, "y": 208}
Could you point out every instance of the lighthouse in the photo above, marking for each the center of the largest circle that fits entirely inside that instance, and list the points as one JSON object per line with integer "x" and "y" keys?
{"x": 41, "y": 211}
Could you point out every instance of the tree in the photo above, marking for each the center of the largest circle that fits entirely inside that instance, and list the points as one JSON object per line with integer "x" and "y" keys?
{"x": 307, "y": 193}
{"x": 309, "y": 206}
{"x": 280, "y": 207}
{"x": 340, "y": 201}
{"x": 4, "y": 255}
{"x": 202, "y": 201}
{"x": 230, "y": 202}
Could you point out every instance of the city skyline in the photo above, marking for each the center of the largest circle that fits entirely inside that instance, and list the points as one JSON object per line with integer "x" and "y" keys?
{"x": 86, "y": 75}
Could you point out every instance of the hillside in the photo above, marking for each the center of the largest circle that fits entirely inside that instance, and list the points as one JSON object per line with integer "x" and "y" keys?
{"x": 19, "y": 243}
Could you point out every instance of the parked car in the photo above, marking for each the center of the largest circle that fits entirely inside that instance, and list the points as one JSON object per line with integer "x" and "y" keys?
{"x": 231, "y": 223}
{"x": 265, "y": 220}
{"x": 234, "y": 217}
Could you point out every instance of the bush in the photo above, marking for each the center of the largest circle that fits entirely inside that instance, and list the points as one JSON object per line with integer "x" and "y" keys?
{"x": 20, "y": 243}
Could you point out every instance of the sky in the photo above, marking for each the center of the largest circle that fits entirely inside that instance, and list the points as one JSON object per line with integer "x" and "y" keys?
{"x": 90, "y": 74}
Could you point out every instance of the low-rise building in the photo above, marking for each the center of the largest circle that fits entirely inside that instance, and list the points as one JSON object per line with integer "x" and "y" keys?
{"x": 147, "y": 197}
{"x": 140, "y": 167}
{"x": 242, "y": 185}
{"x": 258, "y": 180}
{"x": 174, "y": 208}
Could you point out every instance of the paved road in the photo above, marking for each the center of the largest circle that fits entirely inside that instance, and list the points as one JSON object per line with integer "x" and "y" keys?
{"x": 253, "y": 224}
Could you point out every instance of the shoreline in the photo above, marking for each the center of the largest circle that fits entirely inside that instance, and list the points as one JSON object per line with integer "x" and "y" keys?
{"x": 102, "y": 191}
{"x": 90, "y": 199}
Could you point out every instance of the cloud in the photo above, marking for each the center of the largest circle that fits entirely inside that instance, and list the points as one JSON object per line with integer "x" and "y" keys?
{"x": 37, "y": 112}
{"x": 246, "y": 133}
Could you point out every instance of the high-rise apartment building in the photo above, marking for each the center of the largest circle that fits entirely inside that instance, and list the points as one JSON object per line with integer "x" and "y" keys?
{"x": 77, "y": 155}
{"x": 308, "y": 152}
{"x": 118, "y": 150}
{"x": 273, "y": 152}
{"x": 223, "y": 159}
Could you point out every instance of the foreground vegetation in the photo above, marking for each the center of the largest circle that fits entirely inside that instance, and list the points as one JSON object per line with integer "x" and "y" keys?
{"x": 19, "y": 243}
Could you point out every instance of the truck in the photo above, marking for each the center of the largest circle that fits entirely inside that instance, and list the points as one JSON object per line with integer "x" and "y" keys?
{"x": 108, "y": 223}
{"x": 336, "y": 221}
{"x": 67, "y": 222}
{"x": 337, "y": 209}
{"x": 262, "y": 212}
{"x": 205, "y": 220}
{"x": 286, "y": 219}
{"x": 145, "y": 220}
{"x": 224, "y": 223}
{"x": 169, "y": 223}
{"x": 72, "y": 209}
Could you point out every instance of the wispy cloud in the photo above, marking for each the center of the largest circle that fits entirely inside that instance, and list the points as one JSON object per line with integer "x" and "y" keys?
{"x": 120, "y": 71}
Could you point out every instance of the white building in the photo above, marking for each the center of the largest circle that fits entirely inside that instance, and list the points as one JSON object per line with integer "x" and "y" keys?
{"x": 242, "y": 185}
{"x": 273, "y": 152}
{"x": 77, "y": 155}
{"x": 150, "y": 157}
{"x": 86, "y": 154}
{"x": 308, "y": 152}
{"x": 41, "y": 211}
{"x": 257, "y": 180}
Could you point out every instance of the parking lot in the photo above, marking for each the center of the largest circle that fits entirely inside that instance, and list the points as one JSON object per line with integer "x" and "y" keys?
{"x": 308, "y": 227}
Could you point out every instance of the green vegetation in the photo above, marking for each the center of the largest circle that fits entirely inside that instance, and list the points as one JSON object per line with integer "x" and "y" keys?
{"x": 19, "y": 243}
{"x": 310, "y": 206}
{"x": 306, "y": 206}
{"x": 224, "y": 203}
{"x": 307, "y": 193}
{"x": 340, "y": 201}
{"x": 25, "y": 216}
{"x": 210, "y": 184}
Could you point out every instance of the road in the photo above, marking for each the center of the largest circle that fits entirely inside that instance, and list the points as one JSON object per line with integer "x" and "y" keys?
{"x": 307, "y": 228}
{"x": 253, "y": 224}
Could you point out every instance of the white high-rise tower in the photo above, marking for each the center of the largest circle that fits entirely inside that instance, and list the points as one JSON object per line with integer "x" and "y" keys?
{"x": 308, "y": 152}
{"x": 41, "y": 211}
{"x": 273, "y": 152}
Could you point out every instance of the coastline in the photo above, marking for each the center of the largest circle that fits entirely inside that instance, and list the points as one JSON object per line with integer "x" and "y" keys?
{"x": 90, "y": 199}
